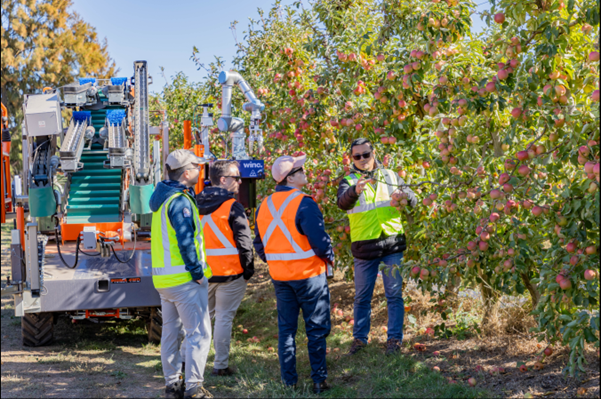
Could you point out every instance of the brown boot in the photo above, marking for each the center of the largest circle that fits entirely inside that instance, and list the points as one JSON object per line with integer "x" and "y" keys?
{"x": 393, "y": 346}
{"x": 226, "y": 372}
{"x": 356, "y": 346}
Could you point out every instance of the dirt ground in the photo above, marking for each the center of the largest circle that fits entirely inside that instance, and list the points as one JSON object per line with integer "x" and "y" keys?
{"x": 481, "y": 356}
{"x": 91, "y": 360}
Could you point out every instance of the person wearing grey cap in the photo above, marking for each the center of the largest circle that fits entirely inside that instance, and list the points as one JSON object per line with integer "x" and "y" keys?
{"x": 180, "y": 274}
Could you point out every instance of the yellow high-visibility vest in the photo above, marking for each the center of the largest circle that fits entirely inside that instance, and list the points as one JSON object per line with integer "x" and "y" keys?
{"x": 168, "y": 268}
{"x": 372, "y": 215}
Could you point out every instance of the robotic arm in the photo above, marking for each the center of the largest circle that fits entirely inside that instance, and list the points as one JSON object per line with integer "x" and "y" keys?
{"x": 234, "y": 125}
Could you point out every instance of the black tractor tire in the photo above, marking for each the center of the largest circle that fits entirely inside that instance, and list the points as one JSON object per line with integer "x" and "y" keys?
{"x": 155, "y": 326}
{"x": 37, "y": 329}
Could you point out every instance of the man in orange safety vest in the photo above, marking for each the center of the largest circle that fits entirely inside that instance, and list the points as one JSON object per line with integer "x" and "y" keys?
{"x": 229, "y": 249}
{"x": 291, "y": 238}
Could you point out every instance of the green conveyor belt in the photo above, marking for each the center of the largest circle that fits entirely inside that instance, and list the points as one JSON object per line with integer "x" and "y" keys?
{"x": 95, "y": 192}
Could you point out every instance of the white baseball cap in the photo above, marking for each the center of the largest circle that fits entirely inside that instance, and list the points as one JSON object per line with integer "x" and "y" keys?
{"x": 180, "y": 158}
{"x": 285, "y": 164}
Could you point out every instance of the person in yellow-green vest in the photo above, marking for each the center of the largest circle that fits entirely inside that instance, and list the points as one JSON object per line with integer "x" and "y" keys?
{"x": 377, "y": 237}
{"x": 180, "y": 274}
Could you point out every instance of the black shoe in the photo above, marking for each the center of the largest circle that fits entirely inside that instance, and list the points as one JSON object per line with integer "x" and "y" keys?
{"x": 356, "y": 346}
{"x": 320, "y": 387}
{"x": 226, "y": 372}
{"x": 175, "y": 391}
{"x": 393, "y": 346}
{"x": 197, "y": 392}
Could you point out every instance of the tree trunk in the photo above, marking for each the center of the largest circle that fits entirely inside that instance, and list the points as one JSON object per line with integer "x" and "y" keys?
{"x": 498, "y": 150}
{"x": 532, "y": 288}
{"x": 490, "y": 299}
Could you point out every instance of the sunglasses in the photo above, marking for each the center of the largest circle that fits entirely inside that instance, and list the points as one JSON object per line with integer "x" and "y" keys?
{"x": 237, "y": 178}
{"x": 293, "y": 171}
{"x": 365, "y": 155}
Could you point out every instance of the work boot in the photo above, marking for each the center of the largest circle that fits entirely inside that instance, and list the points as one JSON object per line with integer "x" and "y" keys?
{"x": 197, "y": 392}
{"x": 393, "y": 346}
{"x": 320, "y": 387}
{"x": 175, "y": 391}
{"x": 226, "y": 372}
{"x": 356, "y": 346}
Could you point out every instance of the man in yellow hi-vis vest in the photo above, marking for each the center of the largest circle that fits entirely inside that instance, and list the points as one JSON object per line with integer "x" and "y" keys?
{"x": 180, "y": 274}
{"x": 377, "y": 236}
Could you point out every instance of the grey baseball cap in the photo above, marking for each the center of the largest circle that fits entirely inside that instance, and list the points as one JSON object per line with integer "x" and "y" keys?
{"x": 180, "y": 158}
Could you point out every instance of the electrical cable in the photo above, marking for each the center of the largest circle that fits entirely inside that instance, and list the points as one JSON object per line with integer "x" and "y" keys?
{"x": 133, "y": 251}
{"x": 58, "y": 248}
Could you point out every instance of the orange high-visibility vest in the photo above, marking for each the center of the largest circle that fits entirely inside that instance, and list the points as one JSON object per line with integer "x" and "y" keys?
{"x": 288, "y": 252}
{"x": 222, "y": 253}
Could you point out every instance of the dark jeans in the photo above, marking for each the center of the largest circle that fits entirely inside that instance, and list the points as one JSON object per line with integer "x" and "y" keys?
{"x": 366, "y": 273}
{"x": 313, "y": 297}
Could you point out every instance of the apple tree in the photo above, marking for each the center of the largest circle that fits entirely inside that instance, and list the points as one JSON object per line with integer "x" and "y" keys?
{"x": 497, "y": 131}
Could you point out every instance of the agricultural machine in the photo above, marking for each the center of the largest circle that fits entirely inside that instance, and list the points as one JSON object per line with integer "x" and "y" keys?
{"x": 90, "y": 164}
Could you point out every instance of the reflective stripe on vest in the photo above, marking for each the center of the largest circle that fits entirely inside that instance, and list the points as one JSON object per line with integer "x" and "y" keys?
{"x": 229, "y": 248}
{"x": 373, "y": 215}
{"x": 277, "y": 221}
{"x": 222, "y": 253}
{"x": 288, "y": 252}
{"x": 168, "y": 268}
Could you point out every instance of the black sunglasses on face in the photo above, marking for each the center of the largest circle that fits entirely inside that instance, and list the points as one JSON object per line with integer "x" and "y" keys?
{"x": 365, "y": 155}
{"x": 237, "y": 178}
{"x": 293, "y": 171}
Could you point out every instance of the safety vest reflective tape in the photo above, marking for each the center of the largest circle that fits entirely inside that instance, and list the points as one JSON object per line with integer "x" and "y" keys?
{"x": 222, "y": 253}
{"x": 372, "y": 215}
{"x": 288, "y": 252}
{"x": 168, "y": 268}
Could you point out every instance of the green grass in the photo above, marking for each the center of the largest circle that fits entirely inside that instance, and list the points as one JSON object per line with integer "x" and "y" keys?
{"x": 369, "y": 374}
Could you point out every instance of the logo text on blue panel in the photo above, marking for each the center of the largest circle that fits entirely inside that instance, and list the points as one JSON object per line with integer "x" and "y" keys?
{"x": 252, "y": 169}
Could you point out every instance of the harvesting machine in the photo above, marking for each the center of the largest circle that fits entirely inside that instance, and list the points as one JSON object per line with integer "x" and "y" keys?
{"x": 83, "y": 250}
{"x": 89, "y": 168}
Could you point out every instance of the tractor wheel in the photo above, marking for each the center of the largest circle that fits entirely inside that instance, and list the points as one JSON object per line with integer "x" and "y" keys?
{"x": 37, "y": 329}
{"x": 155, "y": 326}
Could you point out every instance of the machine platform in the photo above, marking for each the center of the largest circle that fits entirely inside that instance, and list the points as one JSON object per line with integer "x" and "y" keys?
{"x": 96, "y": 282}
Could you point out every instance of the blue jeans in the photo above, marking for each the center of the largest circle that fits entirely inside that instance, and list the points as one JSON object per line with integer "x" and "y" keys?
{"x": 366, "y": 273}
{"x": 313, "y": 297}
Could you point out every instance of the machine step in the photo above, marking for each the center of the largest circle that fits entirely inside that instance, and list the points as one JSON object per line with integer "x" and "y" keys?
{"x": 96, "y": 179}
{"x": 94, "y": 158}
{"x": 93, "y": 200}
{"x": 114, "y": 218}
{"x": 88, "y": 186}
{"x": 93, "y": 166}
{"x": 86, "y": 193}
{"x": 96, "y": 172}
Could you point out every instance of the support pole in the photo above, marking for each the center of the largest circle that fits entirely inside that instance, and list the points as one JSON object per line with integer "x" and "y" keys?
{"x": 187, "y": 135}
{"x": 199, "y": 151}
{"x": 21, "y": 224}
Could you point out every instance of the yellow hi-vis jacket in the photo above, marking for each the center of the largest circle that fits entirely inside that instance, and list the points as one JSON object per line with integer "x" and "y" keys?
{"x": 168, "y": 268}
{"x": 372, "y": 215}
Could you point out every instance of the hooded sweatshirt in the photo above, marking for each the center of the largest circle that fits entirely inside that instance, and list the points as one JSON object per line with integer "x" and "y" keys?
{"x": 180, "y": 217}
{"x": 382, "y": 246}
{"x": 208, "y": 201}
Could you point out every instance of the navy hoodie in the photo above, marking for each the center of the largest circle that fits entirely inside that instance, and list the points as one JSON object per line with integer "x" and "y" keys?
{"x": 182, "y": 221}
